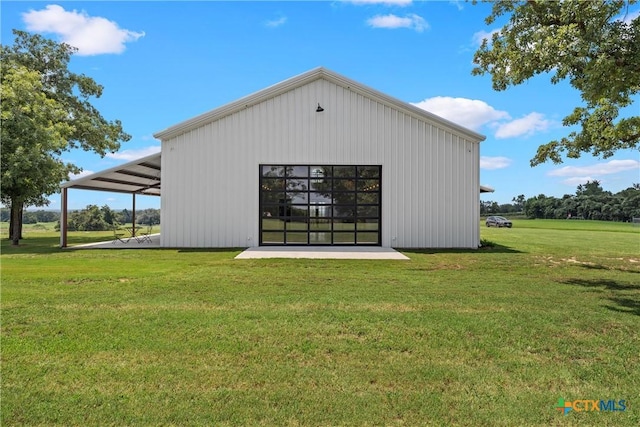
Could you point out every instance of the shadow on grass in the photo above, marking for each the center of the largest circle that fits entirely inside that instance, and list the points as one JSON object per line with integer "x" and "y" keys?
{"x": 611, "y": 285}
{"x": 625, "y": 305}
{"x": 39, "y": 245}
{"x": 492, "y": 249}
{"x": 51, "y": 245}
{"x": 194, "y": 250}
{"x": 604, "y": 267}
{"x": 621, "y": 303}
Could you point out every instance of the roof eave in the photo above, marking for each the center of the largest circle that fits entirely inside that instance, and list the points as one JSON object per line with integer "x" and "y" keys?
{"x": 80, "y": 181}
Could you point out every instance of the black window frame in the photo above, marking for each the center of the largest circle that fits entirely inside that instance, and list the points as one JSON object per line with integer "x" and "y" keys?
{"x": 345, "y": 197}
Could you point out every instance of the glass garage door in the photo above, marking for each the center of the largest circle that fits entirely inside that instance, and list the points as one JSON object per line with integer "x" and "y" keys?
{"x": 320, "y": 205}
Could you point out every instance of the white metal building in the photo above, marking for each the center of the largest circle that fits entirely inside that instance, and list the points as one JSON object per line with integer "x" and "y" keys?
{"x": 320, "y": 159}
{"x": 317, "y": 159}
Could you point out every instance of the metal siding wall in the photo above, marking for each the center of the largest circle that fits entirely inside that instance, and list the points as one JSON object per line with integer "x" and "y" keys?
{"x": 210, "y": 175}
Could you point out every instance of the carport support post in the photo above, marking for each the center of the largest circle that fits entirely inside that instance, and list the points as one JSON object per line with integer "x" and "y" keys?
{"x": 63, "y": 218}
{"x": 133, "y": 216}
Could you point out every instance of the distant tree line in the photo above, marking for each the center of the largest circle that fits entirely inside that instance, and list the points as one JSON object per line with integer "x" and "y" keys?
{"x": 31, "y": 217}
{"x": 492, "y": 208}
{"x": 92, "y": 218}
{"x": 591, "y": 201}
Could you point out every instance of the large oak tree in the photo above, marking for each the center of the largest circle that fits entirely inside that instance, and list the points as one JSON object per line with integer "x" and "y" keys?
{"x": 46, "y": 110}
{"x": 594, "y": 44}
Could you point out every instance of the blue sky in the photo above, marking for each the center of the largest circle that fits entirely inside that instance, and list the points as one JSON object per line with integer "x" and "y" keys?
{"x": 164, "y": 62}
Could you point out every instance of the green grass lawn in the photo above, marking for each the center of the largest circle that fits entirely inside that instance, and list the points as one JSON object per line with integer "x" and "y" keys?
{"x": 452, "y": 337}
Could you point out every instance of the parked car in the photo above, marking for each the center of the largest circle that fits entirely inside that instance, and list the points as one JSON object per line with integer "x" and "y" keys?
{"x": 498, "y": 221}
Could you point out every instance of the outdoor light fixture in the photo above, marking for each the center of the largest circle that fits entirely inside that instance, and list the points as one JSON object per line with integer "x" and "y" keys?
{"x": 319, "y": 109}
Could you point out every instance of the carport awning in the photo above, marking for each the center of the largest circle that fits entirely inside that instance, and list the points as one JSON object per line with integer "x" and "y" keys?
{"x": 140, "y": 176}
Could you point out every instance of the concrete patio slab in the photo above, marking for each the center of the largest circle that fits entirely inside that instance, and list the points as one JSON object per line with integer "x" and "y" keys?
{"x": 321, "y": 252}
{"x": 116, "y": 244}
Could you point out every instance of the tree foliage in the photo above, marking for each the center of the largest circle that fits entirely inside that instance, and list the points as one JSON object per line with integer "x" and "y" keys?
{"x": 94, "y": 218}
{"x": 46, "y": 110}
{"x": 593, "y": 45}
{"x": 33, "y": 132}
{"x": 148, "y": 217}
{"x": 32, "y": 217}
{"x": 90, "y": 219}
{"x": 591, "y": 201}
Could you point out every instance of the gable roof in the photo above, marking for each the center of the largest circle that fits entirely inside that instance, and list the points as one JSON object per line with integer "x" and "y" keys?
{"x": 301, "y": 80}
{"x": 141, "y": 176}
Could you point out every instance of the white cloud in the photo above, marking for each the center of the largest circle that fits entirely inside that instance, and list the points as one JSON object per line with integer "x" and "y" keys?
{"x": 527, "y": 126}
{"x": 457, "y": 4}
{"x": 608, "y": 168}
{"x": 474, "y": 114}
{"x": 129, "y": 155}
{"x": 391, "y": 21}
{"x": 82, "y": 174}
{"x": 382, "y": 2}
{"x": 276, "y": 22}
{"x": 470, "y": 113}
{"x": 480, "y": 36}
{"x": 577, "y": 180}
{"x": 491, "y": 163}
{"x": 91, "y": 35}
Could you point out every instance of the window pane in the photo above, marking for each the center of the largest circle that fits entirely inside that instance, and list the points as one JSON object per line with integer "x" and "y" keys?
{"x": 272, "y": 237}
{"x": 320, "y": 172}
{"x": 367, "y": 225}
{"x": 320, "y": 238}
{"x": 344, "y": 184}
{"x": 319, "y": 224}
{"x": 299, "y": 211}
{"x": 339, "y": 225}
{"x": 272, "y": 224}
{"x": 319, "y": 210}
{"x": 368, "y": 198}
{"x": 344, "y": 211}
{"x": 299, "y": 171}
{"x": 344, "y": 238}
{"x": 367, "y": 238}
{"x": 271, "y": 197}
{"x": 270, "y": 211}
{"x": 294, "y": 237}
{"x": 369, "y": 171}
{"x": 318, "y": 198}
{"x": 272, "y": 171}
{"x": 321, "y": 185}
{"x": 297, "y": 224}
{"x": 298, "y": 196}
{"x": 367, "y": 211}
{"x": 344, "y": 198}
{"x": 368, "y": 184}
{"x": 344, "y": 171}
{"x": 272, "y": 184}
{"x": 294, "y": 184}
